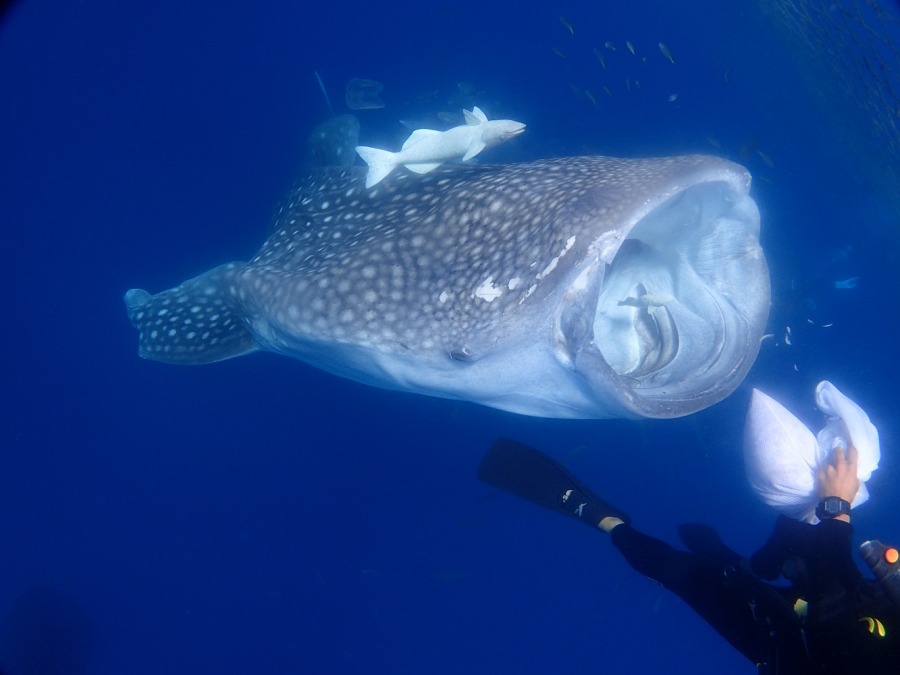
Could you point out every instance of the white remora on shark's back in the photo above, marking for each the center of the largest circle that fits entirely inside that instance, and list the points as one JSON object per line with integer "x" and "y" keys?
{"x": 426, "y": 149}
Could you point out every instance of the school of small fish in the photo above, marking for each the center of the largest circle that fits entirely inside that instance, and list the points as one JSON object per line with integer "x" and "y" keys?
{"x": 619, "y": 60}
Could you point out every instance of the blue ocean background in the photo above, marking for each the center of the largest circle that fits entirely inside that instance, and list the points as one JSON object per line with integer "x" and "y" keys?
{"x": 262, "y": 516}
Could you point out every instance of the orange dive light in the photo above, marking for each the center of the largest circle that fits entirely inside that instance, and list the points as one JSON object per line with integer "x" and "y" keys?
{"x": 884, "y": 561}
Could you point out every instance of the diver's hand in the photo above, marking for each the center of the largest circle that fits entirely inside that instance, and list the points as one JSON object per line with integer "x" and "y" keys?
{"x": 838, "y": 478}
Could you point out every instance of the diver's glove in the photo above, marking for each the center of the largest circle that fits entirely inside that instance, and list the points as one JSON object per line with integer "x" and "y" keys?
{"x": 782, "y": 456}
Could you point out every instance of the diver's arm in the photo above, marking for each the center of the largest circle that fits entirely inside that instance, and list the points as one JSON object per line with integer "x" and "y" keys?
{"x": 833, "y": 573}
{"x": 838, "y": 478}
{"x": 838, "y": 639}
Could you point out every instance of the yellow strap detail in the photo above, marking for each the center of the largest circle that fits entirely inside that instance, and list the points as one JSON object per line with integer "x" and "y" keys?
{"x": 873, "y": 625}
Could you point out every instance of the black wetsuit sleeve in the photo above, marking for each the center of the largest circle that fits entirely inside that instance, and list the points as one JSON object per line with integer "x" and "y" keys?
{"x": 831, "y": 564}
{"x": 833, "y": 577}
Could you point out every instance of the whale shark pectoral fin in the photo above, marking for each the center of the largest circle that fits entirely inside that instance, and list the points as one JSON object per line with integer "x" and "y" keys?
{"x": 473, "y": 150}
{"x": 422, "y": 167}
{"x": 192, "y": 323}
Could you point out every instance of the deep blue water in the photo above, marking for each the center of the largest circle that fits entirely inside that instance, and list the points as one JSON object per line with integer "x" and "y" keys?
{"x": 261, "y": 516}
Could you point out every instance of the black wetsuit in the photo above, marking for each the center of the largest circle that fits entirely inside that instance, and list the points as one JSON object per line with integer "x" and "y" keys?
{"x": 841, "y": 633}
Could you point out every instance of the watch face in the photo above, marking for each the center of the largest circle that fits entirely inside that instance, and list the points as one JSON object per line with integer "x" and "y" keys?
{"x": 833, "y": 506}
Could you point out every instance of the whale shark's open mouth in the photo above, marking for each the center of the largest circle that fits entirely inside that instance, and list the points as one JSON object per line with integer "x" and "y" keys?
{"x": 683, "y": 301}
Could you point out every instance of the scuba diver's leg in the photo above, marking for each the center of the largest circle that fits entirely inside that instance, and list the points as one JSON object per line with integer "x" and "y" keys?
{"x": 715, "y": 588}
{"x": 701, "y": 583}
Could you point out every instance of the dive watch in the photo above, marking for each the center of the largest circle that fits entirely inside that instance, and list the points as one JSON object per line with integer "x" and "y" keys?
{"x": 832, "y": 507}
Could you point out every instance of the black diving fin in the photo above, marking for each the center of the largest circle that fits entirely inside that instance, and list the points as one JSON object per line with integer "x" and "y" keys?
{"x": 532, "y": 475}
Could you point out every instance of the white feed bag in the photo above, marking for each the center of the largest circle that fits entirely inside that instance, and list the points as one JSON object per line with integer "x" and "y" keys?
{"x": 782, "y": 456}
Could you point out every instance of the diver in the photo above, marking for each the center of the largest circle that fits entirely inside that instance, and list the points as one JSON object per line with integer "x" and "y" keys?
{"x": 829, "y": 620}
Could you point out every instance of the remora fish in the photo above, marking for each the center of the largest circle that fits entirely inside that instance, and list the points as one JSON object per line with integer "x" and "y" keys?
{"x": 649, "y": 301}
{"x": 426, "y": 149}
{"x": 498, "y": 285}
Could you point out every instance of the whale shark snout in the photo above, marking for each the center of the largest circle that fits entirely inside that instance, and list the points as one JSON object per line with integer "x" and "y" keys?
{"x": 581, "y": 287}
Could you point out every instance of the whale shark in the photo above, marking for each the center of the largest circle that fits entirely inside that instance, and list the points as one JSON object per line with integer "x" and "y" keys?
{"x": 500, "y": 285}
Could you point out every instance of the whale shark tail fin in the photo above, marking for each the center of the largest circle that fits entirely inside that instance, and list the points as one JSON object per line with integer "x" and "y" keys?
{"x": 532, "y": 475}
{"x": 381, "y": 163}
{"x": 192, "y": 323}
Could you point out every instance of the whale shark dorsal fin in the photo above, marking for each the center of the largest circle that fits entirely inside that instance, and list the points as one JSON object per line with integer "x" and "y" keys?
{"x": 474, "y": 149}
{"x": 475, "y": 117}
{"x": 422, "y": 167}
{"x": 417, "y": 136}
